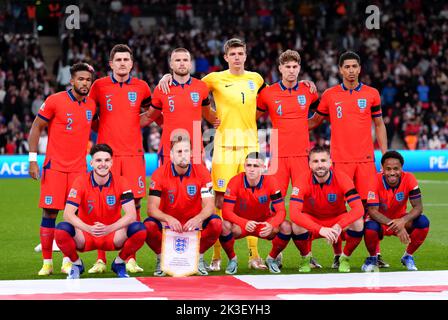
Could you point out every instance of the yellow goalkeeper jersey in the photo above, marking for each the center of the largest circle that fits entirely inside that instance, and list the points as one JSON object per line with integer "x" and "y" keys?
{"x": 236, "y": 106}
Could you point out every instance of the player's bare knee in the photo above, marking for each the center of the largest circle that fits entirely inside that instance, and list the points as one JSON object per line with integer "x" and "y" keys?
{"x": 285, "y": 227}
{"x": 236, "y": 230}
{"x": 358, "y": 225}
{"x": 219, "y": 199}
{"x": 296, "y": 229}
{"x": 226, "y": 228}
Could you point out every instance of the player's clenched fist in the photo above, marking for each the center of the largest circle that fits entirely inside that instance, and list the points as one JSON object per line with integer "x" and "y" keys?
{"x": 34, "y": 170}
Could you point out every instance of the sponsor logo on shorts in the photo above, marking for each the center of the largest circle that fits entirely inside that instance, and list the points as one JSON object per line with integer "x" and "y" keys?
{"x": 48, "y": 200}
{"x": 221, "y": 183}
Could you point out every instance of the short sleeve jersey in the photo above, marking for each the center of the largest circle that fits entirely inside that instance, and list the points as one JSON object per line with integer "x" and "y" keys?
{"x": 236, "y": 106}
{"x": 324, "y": 200}
{"x": 181, "y": 195}
{"x": 182, "y": 109}
{"x": 288, "y": 110}
{"x": 69, "y": 123}
{"x": 253, "y": 203}
{"x": 99, "y": 203}
{"x": 392, "y": 201}
{"x": 351, "y": 113}
{"x": 119, "y": 113}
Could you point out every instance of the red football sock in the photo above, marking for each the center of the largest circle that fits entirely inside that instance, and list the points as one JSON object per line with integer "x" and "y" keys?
{"x": 337, "y": 247}
{"x": 132, "y": 244}
{"x": 210, "y": 234}
{"x": 153, "y": 236}
{"x": 279, "y": 243}
{"x": 372, "y": 241}
{"x": 352, "y": 238}
{"x": 46, "y": 237}
{"x": 227, "y": 243}
{"x": 417, "y": 238}
{"x": 303, "y": 243}
{"x": 67, "y": 244}
{"x": 101, "y": 255}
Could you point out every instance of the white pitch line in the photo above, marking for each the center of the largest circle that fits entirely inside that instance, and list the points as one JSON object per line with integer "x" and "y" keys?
{"x": 434, "y": 181}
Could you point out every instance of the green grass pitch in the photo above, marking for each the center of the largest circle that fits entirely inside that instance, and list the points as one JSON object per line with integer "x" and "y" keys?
{"x": 20, "y": 220}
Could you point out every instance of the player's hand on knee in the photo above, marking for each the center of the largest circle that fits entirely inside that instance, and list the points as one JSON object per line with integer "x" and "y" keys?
{"x": 266, "y": 230}
{"x": 192, "y": 224}
{"x": 165, "y": 82}
{"x": 329, "y": 233}
{"x": 396, "y": 225}
{"x": 174, "y": 224}
{"x": 34, "y": 170}
{"x": 250, "y": 226}
{"x": 404, "y": 237}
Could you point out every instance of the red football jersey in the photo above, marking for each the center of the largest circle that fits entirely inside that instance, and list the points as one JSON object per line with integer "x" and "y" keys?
{"x": 392, "y": 201}
{"x": 181, "y": 195}
{"x": 288, "y": 109}
{"x": 351, "y": 113}
{"x": 69, "y": 123}
{"x": 243, "y": 202}
{"x": 181, "y": 107}
{"x": 119, "y": 112}
{"x": 324, "y": 200}
{"x": 99, "y": 203}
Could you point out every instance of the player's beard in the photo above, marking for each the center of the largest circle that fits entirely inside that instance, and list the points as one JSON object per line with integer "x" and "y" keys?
{"x": 78, "y": 91}
{"x": 321, "y": 172}
{"x": 182, "y": 74}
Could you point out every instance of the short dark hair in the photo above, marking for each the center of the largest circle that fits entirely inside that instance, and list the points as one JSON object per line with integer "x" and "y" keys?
{"x": 81, "y": 66}
{"x": 234, "y": 43}
{"x": 120, "y": 48}
{"x": 349, "y": 55}
{"x": 256, "y": 156}
{"x": 319, "y": 149}
{"x": 392, "y": 154}
{"x": 101, "y": 147}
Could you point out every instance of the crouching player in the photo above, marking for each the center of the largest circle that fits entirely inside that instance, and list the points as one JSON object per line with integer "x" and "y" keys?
{"x": 387, "y": 212}
{"x": 181, "y": 197}
{"x": 99, "y": 197}
{"x": 247, "y": 211}
{"x": 317, "y": 209}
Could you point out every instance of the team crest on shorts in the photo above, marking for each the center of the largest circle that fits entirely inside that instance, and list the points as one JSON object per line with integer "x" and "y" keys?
{"x": 221, "y": 183}
{"x": 110, "y": 200}
{"x": 180, "y": 244}
{"x": 251, "y": 84}
{"x": 89, "y": 115}
{"x": 399, "y": 196}
{"x": 194, "y": 97}
{"x": 331, "y": 197}
{"x": 362, "y": 103}
{"x": 263, "y": 199}
{"x": 48, "y": 200}
{"x": 301, "y": 100}
{"x": 191, "y": 189}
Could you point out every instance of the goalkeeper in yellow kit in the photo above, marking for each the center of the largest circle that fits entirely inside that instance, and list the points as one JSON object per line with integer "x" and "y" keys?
{"x": 235, "y": 94}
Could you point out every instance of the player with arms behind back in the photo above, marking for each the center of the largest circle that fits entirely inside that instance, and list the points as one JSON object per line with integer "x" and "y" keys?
{"x": 68, "y": 115}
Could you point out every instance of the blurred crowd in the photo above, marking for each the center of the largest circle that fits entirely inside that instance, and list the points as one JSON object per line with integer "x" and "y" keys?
{"x": 406, "y": 59}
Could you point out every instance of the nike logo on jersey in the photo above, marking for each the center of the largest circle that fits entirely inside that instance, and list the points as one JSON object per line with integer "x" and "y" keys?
{"x": 228, "y": 85}
{"x": 171, "y": 97}
{"x": 69, "y": 114}
{"x": 278, "y": 101}
{"x": 336, "y": 103}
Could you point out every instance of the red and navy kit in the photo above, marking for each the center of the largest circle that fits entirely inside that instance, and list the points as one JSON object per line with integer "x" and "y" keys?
{"x": 392, "y": 201}
{"x": 181, "y": 195}
{"x": 262, "y": 203}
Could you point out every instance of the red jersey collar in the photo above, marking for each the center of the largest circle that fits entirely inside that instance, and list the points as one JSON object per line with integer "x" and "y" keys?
{"x": 116, "y": 81}
{"x": 358, "y": 87}
{"x": 173, "y": 170}
{"x": 283, "y": 87}
{"x": 94, "y": 184}
{"x": 73, "y": 98}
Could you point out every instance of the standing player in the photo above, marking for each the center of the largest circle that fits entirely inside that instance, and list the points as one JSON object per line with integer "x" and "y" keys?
{"x": 350, "y": 107}
{"x": 253, "y": 205}
{"x": 288, "y": 104}
{"x": 181, "y": 197}
{"x": 68, "y": 115}
{"x": 183, "y": 108}
{"x": 93, "y": 216}
{"x": 387, "y": 212}
{"x": 120, "y": 98}
{"x": 317, "y": 209}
